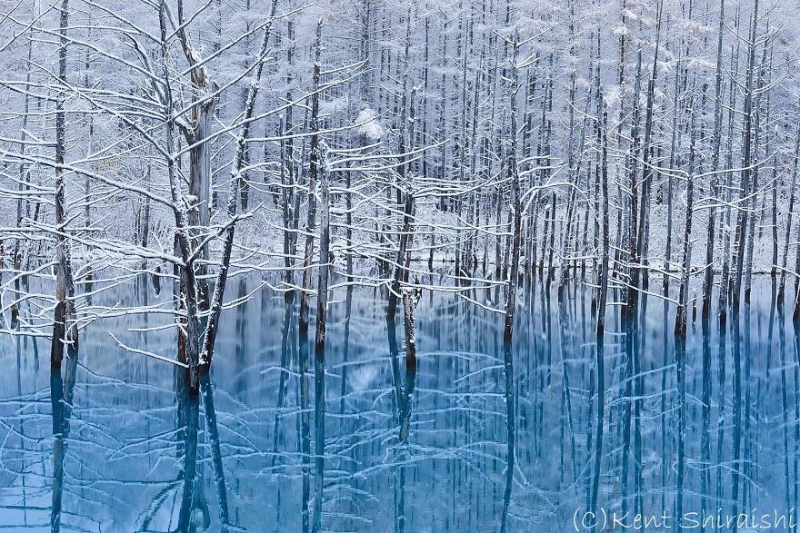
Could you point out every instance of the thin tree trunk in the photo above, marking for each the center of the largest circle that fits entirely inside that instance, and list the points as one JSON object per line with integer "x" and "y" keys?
{"x": 322, "y": 305}
{"x": 215, "y": 309}
{"x": 708, "y": 279}
{"x": 785, "y": 259}
{"x": 516, "y": 206}
{"x": 742, "y": 221}
{"x": 601, "y": 314}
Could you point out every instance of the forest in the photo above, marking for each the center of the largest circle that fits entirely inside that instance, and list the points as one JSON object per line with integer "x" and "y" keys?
{"x": 425, "y": 265}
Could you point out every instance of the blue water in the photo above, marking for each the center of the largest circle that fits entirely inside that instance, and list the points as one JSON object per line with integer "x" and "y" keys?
{"x": 131, "y": 438}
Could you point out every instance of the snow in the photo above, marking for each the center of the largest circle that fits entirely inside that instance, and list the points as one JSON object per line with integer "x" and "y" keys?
{"x": 368, "y": 124}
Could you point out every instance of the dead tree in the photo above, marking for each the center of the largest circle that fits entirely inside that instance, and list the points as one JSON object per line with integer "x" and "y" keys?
{"x": 708, "y": 278}
{"x": 516, "y": 204}
{"x": 601, "y": 310}
{"x": 313, "y": 179}
{"x": 237, "y": 167}
{"x": 64, "y": 325}
{"x": 204, "y": 94}
{"x": 410, "y": 300}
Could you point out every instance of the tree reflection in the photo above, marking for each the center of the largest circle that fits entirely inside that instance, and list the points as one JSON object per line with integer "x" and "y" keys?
{"x": 61, "y": 396}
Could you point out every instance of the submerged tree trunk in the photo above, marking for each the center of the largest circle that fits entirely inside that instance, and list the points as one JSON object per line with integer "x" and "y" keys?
{"x": 237, "y": 167}
{"x": 792, "y": 196}
{"x": 643, "y": 233}
{"x": 409, "y": 306}
{"x": 742, "y": 221}
{"x": 516, "y": 206}
{"x": 708, "y": 279}
{"x": 683, "y": 298}
{"x": 601, "y": 315}
{"x": 401, "y": 265}
{"x": 313, "y": 177}
{"x": 680, "y": 323}
{"x": 186, "y": 293}
{"x": 322, "y": 299}
{"x": 64, "y": 326}
{"x": 198, "y": 135}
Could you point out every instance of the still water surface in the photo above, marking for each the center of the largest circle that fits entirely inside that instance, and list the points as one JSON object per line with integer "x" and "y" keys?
{"x": 123, "y": 451}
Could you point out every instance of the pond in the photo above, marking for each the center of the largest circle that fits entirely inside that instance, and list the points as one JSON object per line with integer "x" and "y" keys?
{"x": 495, "y": 440}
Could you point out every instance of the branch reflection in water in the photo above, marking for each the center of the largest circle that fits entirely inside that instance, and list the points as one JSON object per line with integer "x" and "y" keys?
{"x": 432, "y": 422}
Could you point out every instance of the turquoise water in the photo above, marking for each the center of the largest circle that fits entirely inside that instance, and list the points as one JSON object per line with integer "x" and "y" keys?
{"x": 132, "y": 441}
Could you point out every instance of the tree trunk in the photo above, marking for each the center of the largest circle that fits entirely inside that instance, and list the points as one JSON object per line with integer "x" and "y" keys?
{"x": 64, "y": 327}
{"x": 516, "y": 205}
